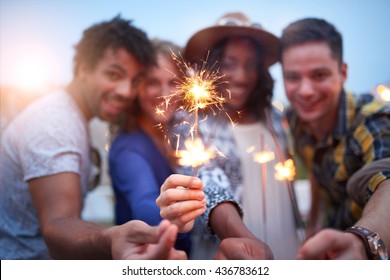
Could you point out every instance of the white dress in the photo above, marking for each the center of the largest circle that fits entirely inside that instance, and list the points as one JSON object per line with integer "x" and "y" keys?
{"x": 276, "y": 227}
{"x": 236, "y": 177}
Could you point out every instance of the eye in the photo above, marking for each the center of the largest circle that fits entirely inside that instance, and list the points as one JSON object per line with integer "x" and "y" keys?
{"x": 113, "y": 75}
{"x": 152, "y": 83}
{"x": 319, "y": 76}
{"x": 291, "y": 78}
{"x": 228, "y": 65}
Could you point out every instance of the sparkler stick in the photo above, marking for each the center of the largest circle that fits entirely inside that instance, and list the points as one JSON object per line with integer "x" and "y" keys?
{"x": 263, "y": 182}
{"x": 297, "y": 213}
{"x": 263, "y": 157}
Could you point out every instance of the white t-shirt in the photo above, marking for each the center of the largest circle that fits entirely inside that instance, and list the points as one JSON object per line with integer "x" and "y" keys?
{"x": 49, "y": 137}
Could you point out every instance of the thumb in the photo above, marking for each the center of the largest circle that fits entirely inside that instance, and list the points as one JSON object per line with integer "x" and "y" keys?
{"x": 167, "y": 238}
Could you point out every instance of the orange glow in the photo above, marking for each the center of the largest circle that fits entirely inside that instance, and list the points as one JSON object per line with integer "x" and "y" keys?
{"x": 195, "y": 153}
{"x": 31, "y": 69}
{"x": 263, "y": 157}
{"x": 383, "y": 92}
{"x": 285, "y": 171}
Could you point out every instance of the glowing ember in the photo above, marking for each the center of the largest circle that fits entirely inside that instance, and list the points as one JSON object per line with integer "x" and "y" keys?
{"x": 285, "y": 171}
{"x": 195, "y": 153}
{"x": 383, "y": 92}
{"x": 263, "y": 157}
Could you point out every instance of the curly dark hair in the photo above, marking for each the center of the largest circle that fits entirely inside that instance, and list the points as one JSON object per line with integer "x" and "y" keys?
{"x": 116, "y": 33}
{"x": 261, "y": 96}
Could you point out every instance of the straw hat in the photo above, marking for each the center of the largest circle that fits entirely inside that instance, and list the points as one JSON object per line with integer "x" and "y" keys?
{"x": 231, "y": 24}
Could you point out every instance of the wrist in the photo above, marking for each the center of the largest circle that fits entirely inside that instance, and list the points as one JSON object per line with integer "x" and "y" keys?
{"x": 374, "y": 246}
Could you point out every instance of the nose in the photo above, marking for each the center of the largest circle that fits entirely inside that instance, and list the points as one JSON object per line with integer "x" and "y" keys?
{"x": 306, "y": 88}
{"x": 239, "y": 75}
{"x": 124, "y": 89}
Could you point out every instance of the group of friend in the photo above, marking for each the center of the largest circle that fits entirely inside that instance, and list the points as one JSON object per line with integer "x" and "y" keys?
{"x": 228, "y": 210}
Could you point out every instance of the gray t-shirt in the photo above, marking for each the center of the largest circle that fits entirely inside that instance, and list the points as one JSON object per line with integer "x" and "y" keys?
{"x": 49, "y": 137}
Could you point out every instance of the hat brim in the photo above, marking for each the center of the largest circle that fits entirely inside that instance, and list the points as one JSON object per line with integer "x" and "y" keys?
{"x": 201, "y": 42}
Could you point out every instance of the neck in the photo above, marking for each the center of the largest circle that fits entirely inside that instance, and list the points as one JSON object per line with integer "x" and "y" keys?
{"x": 158, "y": 137}
{"x": 150, "y": 128}
{"x": 322, "y": 129}
{"x": 76, "y": 93}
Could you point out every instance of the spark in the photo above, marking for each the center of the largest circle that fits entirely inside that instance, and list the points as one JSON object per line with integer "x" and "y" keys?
{"x": 195, "y": 154}
{"x": 285, "y": 170}
{"x": 264, "y": 156}
{"x": 197, "y": 90}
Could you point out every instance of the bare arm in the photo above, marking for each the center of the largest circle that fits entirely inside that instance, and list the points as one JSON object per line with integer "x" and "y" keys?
{"x": 57, "y": 199}
{"x": 376, "y": 212}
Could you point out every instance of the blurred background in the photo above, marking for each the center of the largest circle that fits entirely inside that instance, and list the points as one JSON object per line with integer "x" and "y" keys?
{"x": 37, "y": 39}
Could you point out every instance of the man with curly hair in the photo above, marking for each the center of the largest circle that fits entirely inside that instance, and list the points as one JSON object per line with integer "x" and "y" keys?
{"x": 45, "y": 158}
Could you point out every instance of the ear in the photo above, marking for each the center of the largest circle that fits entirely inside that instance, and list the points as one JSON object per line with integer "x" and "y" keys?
{"x": 344, "y": 71}
{"x": 82, "y": 70}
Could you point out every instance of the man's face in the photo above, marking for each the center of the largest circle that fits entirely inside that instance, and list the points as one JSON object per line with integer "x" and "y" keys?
{"x": 313, "y": 80}
{"x": 110, "y": 87}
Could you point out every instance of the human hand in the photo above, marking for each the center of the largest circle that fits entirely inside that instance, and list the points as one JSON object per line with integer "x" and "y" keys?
{"x": 330, "y": 244}
{"x": 138, "y": 241}
{"x": 243, "y": 248}
{"x": 181, "y": 200}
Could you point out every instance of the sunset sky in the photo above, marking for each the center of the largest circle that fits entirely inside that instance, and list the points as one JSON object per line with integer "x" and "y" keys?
{"x": 37, "y": 36}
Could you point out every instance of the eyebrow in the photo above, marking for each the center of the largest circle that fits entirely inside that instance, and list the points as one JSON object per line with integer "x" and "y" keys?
{"x": 117, "y": 67}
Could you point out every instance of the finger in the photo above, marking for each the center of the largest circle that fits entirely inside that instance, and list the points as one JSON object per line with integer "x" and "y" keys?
{"x": 182, "y": 208}
{"x": 177, "y": 255}
{"x": 172, "y": 195}
{"x": 166, "y": 242}
{"x": 188, "y": 216}
{"x": 176, "y": 180}
{"x": 321, "y": 244}
{"x": 219, "y": 255}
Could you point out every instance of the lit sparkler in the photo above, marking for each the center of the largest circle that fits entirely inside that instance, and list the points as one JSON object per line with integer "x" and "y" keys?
{"x": 195, "y": 153}
{"x": 197, "y": 90}
{"x": 285, "y": 170}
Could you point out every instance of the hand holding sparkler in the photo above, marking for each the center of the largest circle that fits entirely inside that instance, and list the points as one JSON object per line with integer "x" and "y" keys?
{"x": 181, "y": 200}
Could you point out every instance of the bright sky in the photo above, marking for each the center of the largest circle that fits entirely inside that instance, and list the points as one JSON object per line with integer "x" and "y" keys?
{"x": 37, "y": 36}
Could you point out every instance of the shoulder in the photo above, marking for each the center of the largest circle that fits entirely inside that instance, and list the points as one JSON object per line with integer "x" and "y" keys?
{"x": 371, "y": 111}
{"x": 51, "y": 120}
{"x": 130, "y": 144}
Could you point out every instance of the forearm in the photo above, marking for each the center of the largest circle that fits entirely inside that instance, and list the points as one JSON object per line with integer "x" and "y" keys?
{"x": 226, "y": 222}
{"x": 72, "y": 238}
{"x": 376, "y": 212}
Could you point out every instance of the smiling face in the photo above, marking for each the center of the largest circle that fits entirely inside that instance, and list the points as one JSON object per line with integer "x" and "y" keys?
{"x": 110, "y": 87}
{"x": 159, "y": 82}
{"x": 239, "y": 65}
{"x": 313, "y": 80}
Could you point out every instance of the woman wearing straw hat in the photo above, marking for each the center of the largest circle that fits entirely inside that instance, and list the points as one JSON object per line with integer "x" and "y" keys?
{"x": 242, "y": 51}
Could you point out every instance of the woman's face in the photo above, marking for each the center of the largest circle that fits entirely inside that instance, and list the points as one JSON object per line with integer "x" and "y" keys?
{"x": 239, "y": 65}
{"x": 159, "y": 82}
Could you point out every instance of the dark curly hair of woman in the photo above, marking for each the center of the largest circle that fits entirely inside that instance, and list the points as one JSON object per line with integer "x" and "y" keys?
{"x": 116, "y": 33}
